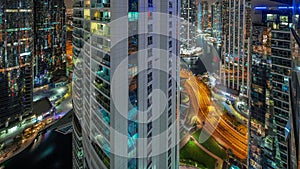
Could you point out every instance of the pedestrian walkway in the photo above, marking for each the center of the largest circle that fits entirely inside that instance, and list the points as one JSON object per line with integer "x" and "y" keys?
{"x": 16, "y": 148}
{"x": 17, "y": 129}
{"x": 219, "y": 164}
{"x": 186, "y": 139}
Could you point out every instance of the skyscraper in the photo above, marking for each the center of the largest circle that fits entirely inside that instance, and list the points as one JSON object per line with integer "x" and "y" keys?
{"x": 124, "y": 53}
{"x": 16, "y": 52}
{"x": 293, "y": 131}
{"x": 216, "y": 19}
{"x": 203, "y": 15}
{"x": 261, "y": 116}
{"x": 236, "y": 20}
{"x": 294, "y": 119}
{"x": 50, "y": 39}
{"x": 270, "y": 88}
{"x": 189, "y": 10}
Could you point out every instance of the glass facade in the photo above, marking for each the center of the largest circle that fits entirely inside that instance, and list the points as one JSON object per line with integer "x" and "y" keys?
{"x": 50, "y": 40}
{"x": 261, "y": 148}
{"x": 270, "y": 89}
{"x": 16, "y": 53}
{"x": 236, "y": 19}
{"x": 294, "y": 119}
{"x": 216, "y": 20}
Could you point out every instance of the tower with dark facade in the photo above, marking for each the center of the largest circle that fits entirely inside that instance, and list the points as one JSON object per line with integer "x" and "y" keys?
{"x": 271, "y": 94}
{"x": 216, "y": 19}
{"x": 16, "y": 53}
{"x": 50, "y": 39}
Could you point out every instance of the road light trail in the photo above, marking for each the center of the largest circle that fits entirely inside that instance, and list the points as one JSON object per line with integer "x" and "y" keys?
{"x": 223, "y": 132}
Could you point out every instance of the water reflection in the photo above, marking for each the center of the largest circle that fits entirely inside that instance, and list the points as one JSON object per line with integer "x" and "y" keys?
{"x": 50, "y": 150}
{"x": 208, "y": 61}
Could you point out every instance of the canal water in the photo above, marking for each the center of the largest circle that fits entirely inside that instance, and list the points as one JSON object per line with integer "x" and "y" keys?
{"x": 208, "y": 61}
{"x": 50, "y": 150}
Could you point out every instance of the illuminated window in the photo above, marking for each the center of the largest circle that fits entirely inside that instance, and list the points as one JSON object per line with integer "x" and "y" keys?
{"x": 271, "y": 17}
{"x": 133, "y": 16}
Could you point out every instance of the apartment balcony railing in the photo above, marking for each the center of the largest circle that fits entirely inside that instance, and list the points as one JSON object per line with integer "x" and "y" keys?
{"x": 78, "y": 25}
{"x": 77, "y": 44}
{"x": 100, "y": 5}
{"x": 104, "y": 61}
{"x": 104, "y": 104}
{"x": 103, "y": 87}
{"x": 101, "y": 19}
{"x": 77, "y": 34}
{"x": 101, "y": 155}
{"x": 103, "y": 75}
{"x": 79, "y": 15}
{"x": 101, "y": 46}
{"x": 78, "y": 4}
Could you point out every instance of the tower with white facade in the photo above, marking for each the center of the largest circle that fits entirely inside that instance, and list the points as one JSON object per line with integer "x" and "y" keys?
{"x": 126, "y": 60}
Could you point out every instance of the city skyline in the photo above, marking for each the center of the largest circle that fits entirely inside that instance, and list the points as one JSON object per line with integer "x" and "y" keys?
{"x": 149, "y": 84}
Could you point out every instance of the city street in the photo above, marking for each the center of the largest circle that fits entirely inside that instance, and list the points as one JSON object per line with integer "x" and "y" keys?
{"x": 214, "y": 124}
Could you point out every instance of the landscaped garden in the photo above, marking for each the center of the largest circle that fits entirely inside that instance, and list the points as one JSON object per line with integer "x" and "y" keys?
{"x": 211, "y": 145}
{"x": 191, "y": 154}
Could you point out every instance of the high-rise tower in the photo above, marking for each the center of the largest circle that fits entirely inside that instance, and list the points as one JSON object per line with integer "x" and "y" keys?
{"x": 271, "y": 88}
{"x": 236, "y": 20}
{"x": 16, "y": 51}
{"x": 50, "y": 39}
{"x": 216, "y": 19}
{"x": 294, "y": 119}
{"x": 125, "y": 83}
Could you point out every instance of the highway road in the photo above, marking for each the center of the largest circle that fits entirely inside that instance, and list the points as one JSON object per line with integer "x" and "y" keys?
{"x": 209, "y": 113}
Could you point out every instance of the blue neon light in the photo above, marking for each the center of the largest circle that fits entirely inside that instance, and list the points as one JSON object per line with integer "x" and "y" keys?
{"x": 282, "y": 7}
{"x": 279, "y": 7}
{"x": 285, "y": 7}
{"x": 260, "y": 7}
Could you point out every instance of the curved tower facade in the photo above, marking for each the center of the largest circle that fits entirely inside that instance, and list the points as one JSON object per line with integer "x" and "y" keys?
{"x": 126, "y": 60}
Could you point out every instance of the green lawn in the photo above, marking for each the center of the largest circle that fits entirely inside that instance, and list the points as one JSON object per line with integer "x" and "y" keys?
{"x": 211, "y": 145}
{"x": 195, "y": 154}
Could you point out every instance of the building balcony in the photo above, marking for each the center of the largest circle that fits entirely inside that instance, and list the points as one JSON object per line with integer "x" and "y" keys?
{"x": 103, "y": 87}
{"x": 78, "y": 24}
{"x": 104, "y": 61}
{"x": 100, "y": 5}
{"x": 78, "y": 15}
{"x": 78, "y": 4}
{"x": 103, "y": 101}
{"x": 77, "y": 44}
{"x": 77, "y": 34}
{"x": 100, "y": 32}
{"x": 87, "y": 28}
{"x": 102, "y": 156}
{"x": 100, "y": 126}
{"x": 103, "y": 74}
{"x": 105, "y": 47}
{"x": 103, "y": 115}
{"x": 101, "y": 19}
